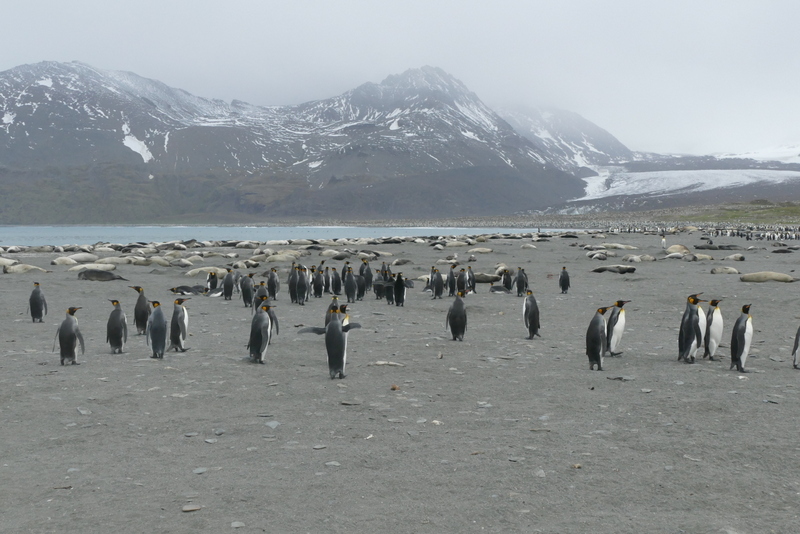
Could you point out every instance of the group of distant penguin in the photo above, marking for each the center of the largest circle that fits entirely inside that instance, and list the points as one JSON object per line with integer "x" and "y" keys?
{"x": 697, "y": 329}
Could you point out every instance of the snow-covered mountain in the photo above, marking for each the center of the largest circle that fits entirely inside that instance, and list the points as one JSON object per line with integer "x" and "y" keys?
{"x": 417, "y": 144}
{"x": 422, "y": 127}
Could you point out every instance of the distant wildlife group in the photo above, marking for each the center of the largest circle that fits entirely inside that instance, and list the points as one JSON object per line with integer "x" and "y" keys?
{"x": 698, "y": 329}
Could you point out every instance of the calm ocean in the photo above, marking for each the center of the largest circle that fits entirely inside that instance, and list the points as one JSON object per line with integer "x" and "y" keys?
{"x": 82, "y": 235}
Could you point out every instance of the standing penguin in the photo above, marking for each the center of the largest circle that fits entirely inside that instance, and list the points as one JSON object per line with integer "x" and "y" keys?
{"x": 470, "y": 279}
{"x": 615, "y": 328}
{"x": 451, "y": 281}
{"x": 117, "y": 329}
{"x": 68, "y": 335}
{"x": 273, "y": 284}
{"x": 530, "y": 315}
{"x": 690, "y": 337}
{"x": 156, "y": 332}
{"x": 437, "y": 284}
{"x": 457, "y": 318}
{"x": 211, "y": 280}
{"x": 246, "y": 286}
{"x": 260, "y": 333}
{"x": 301, "y": 286}
{"x": 563, "y": 280}
{"x": 335, "y": 340}
{"x": 291, "y": 282}
{"x": 399, "y": 290}
{"x": 141, "y": 311}
{"x": 37, "y": 304}
{"x": 227, "y": 284}
{"x": 596, "y": 339}
{"x": 336, "y": 282}
{"x": 714, "y": 325}
{"x": 795, "y": 355}
{"x": 507, "y": 281}
{"x": 521, "y": 280}
{"x": 366, "y": 271}
{"x": 350, "y": 286}
{"x": 741, "y": 338}
{"x": 179, "y": 326}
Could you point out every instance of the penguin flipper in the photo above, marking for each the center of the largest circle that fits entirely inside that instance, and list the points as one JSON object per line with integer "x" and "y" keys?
{"x": 124, "y": 328}
{"x": 55, "y": 338}
{"x": 44, "y": 303}
{"x": 80, "y": 338}
{"x": 312, "y": 330}
{"x": 349, "y": 326}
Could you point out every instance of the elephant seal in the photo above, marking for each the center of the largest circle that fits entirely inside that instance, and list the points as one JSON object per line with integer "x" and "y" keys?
{"x": 724, "y": 270}
{"x": 93, "y": 266}
{"x": 98, "y": 275}
{"x": 766, "y": 276}
{"x": 680, "y": 249}
{"x": 621, "y": 269}
{"x": 22, "y": 268}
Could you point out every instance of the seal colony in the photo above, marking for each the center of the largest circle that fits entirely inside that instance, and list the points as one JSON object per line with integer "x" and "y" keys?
{"x": 521, "y": 421}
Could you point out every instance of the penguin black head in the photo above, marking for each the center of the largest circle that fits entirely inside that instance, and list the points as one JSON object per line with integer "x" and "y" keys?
{"x": 72, "y": 311}
{"x": 529, "y": 292}
{"x": 714, "y": 302}
{"x": 212, "y": 274}
{"x": 155, "y": 303}
{"x": 114, "y": 302}
{"x": 563, "y": 268}
{"x": 746, "y": 309}
{"x": 250, "y": 275}
{"x": 181, "y": 301}
{"x": 263, "y": 283}
{"x": 138, "y": 289}
{"x": 621, "y": 303}
{"x": 601, "y": 311}
{"x": 343, "y": 308}
{"x": 694, "y": 300}
{"x": 36, "y": 284}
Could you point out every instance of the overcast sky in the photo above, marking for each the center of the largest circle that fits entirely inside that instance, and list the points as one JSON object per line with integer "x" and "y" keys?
{"x": 671, "y": 76}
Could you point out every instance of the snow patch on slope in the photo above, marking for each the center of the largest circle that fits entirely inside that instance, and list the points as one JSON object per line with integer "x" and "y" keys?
{"x": 138, "y": 146}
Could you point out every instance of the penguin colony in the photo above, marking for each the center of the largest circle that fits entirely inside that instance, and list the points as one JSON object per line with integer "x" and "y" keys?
{"x": 699, "y": 329}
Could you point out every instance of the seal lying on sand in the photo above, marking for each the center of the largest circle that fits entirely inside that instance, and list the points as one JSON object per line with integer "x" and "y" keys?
{"x": 99, "y": 276}
{"x": 766, "y": 276}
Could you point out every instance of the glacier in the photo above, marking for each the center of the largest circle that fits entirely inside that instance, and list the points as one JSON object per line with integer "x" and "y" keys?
{"x": 612, "y": 182}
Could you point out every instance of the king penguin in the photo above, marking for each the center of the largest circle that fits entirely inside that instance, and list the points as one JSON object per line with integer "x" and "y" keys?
{"x": 68, "y": 335}
{"x": 690, "y": 337}
{"x": 457, "y": 318}
{"x": 141, "y": 311}
{"x": 530, "y": 315}
{"x": 335, "y": 340}
{"x": 179, "y": 326}
{"x": 227, "y": 285}
{"x": 616, "y": 327}
{"x": 260, "y": 333}
{"x": 37, "y": 304}
{"x": 795, "y": 355}
{"x": 274, "y": 327}
{"x": 156, "y": 332}
{"x": 246, "y": 287}
{"x": 714, "y": 326}
{"x": 741, "y": 338}
{"x": 399, "y": 290}
{"x": 437, "y": 284}
{"x": 117, "y": 328}
{"x": 273, "y": 284}
{"x": 563, "y": 280}
{"x": 596, "y": 339}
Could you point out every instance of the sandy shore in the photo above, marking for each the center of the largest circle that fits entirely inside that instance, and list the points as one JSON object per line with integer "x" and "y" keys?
{"x": 493, "y": 434}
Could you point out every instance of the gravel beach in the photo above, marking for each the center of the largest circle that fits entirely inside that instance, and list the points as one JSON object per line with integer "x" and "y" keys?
{"x": 493, "y": 434}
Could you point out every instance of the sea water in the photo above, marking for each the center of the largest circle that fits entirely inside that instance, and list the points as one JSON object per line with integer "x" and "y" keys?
{"x": 87, "y": 235}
